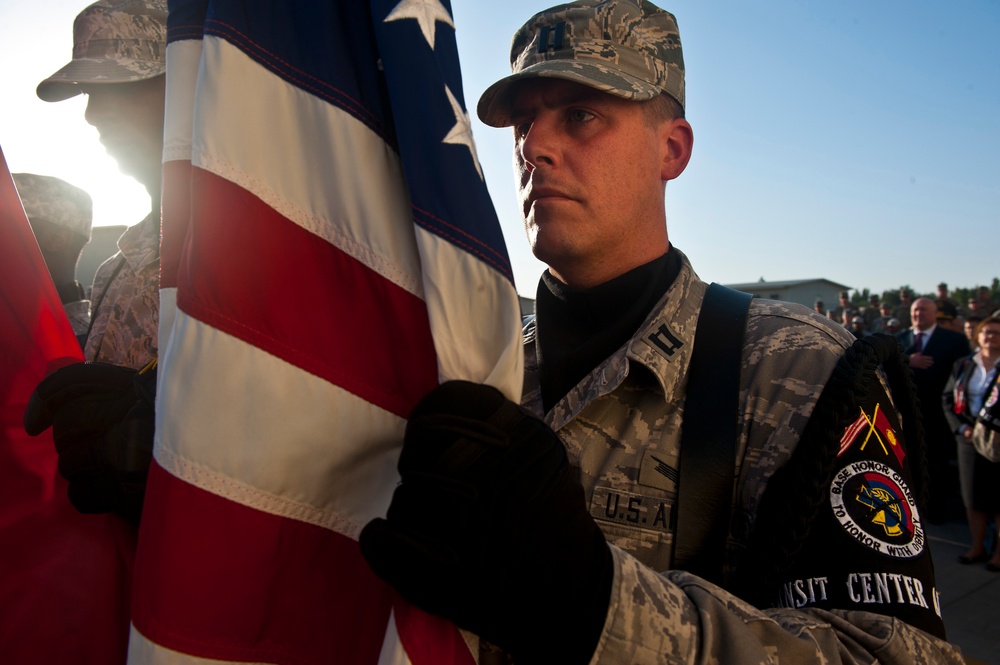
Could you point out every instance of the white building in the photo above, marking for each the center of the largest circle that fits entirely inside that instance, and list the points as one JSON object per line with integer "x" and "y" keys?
{"x": 802, "y": 291}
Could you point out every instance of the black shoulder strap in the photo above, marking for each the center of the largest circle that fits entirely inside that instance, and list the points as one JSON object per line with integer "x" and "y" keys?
{"x": 709, "y": 432}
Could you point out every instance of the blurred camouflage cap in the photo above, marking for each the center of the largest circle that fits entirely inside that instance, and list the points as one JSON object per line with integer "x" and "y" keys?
{"x": 114, "y": 41}
{"x": 55, "y": 201}
{"x": 627, "y": 48}
{"x": 946, "y": 311}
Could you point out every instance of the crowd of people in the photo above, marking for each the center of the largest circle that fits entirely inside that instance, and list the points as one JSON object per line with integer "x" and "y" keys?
{"x": 614, "y": 515}
{"x": 955, "y": 367}
{"x": 879, "y": 316}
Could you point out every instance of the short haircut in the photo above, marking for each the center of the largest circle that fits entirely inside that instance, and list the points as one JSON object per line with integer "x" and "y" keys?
{"x": 661, "y": 108}
{"x": 993, "y": 319}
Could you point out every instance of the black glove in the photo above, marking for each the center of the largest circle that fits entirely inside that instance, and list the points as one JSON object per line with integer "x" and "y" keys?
{"x": 489, "y": 528}
{"x": 102, "y": 418}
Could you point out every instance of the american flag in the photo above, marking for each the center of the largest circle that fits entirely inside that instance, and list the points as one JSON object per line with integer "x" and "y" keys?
{"x": 329, "y": 254}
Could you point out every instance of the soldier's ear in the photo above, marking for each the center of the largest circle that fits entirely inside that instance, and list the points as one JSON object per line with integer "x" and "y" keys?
{"x": 677, "y": 141}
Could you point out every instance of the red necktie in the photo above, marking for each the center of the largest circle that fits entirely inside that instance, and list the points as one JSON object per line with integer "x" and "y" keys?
{"x": 918, "y": 342}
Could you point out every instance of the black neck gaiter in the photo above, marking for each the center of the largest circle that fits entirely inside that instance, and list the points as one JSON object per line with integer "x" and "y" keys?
{"x": 579, "y": 329}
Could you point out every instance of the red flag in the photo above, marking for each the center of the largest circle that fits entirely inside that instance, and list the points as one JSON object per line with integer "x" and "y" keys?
{"x": 329, "y": 255}
{"x": 64, "y": 577}
{"x": 889, "y": 436}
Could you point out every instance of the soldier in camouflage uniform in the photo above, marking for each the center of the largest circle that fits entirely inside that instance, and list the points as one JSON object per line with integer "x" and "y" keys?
{"x": 119, "y": 62}
{"x": 101, "y": 412}
{"x": 60, "y": 215}
{"x": 549, "y": 529}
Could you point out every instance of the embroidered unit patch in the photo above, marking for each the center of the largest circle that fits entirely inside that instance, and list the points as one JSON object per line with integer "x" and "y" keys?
{"x": 875, "y": 506}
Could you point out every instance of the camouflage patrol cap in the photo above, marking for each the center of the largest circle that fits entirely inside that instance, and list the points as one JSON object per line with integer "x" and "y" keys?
{"x": 946, "y": 311}
{"x": 114, "y": 41}
{"x": 52, "y": 200}
{"x": 627, "y": 48}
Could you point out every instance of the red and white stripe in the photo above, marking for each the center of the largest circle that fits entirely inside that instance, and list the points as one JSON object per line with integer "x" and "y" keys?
{"x": 302, "y": 316}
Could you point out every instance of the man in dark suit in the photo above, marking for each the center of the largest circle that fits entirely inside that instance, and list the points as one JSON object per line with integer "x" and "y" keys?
{"x": 932, "y": 351}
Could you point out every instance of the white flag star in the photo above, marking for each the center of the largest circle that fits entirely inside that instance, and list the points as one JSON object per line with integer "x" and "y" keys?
{"x": 426, "y": 12}
{"x": 461, "y": 133}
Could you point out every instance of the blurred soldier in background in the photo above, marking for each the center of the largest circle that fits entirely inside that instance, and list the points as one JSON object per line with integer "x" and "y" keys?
{"x": 102, "y": 412}
{"x": 119, "y": 62}
{"x": 60, "y": 215}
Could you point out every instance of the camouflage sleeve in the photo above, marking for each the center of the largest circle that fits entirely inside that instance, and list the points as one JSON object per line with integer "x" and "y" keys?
{"x": 679, "y": 618}
{"x": 78, "y": 313}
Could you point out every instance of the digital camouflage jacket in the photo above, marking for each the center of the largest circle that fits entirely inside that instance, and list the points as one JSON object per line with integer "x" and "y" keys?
{"x": 621, "y": 426}
{"x": 125, "y": 300}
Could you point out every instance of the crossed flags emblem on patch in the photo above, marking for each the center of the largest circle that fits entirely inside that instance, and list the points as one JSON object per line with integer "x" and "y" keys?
{"x": 876, "y": 426}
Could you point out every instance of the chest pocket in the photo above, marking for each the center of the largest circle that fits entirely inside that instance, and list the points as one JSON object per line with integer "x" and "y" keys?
{"x": 638, "y": 520}
{"x": 626, "y": 446}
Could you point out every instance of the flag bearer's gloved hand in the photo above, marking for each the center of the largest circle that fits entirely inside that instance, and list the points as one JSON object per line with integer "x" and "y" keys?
{"x": 489, "y": 528}
{"x": 102, "y": 418}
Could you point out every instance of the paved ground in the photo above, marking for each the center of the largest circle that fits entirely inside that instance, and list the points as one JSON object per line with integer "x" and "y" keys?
{"x": 970, "y": 595}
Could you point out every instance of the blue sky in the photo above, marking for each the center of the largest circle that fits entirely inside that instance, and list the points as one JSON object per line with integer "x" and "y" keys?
{"x": 854, "y": 141}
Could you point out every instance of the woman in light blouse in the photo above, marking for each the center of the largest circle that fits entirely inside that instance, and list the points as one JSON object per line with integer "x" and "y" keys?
{"x": 979, "y": 478}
